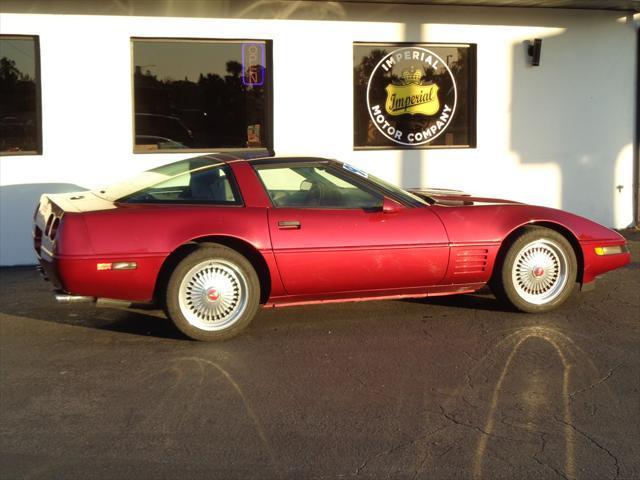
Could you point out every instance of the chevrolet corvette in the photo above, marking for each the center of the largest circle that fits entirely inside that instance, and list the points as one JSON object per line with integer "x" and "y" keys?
{"x": 213, "y": 238}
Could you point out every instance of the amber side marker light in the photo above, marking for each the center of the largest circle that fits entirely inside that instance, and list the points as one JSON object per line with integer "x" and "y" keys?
{"x": 117, "y": 266}
{"x": 601, "y": 251}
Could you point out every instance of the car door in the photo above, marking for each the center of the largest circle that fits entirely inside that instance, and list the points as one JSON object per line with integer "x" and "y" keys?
{"x": 330, "y": 234}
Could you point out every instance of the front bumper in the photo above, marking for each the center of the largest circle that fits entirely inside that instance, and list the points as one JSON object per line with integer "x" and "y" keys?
{"x": 601, "y": 257}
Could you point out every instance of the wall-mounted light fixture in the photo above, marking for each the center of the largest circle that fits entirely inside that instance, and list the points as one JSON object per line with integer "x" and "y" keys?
{"x": 534, "y": 51}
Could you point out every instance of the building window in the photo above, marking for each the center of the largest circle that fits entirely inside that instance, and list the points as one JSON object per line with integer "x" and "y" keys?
{"x": 20, "y": 119}
{"x": 414, "y": 95}
{"x": 201, "y": 94}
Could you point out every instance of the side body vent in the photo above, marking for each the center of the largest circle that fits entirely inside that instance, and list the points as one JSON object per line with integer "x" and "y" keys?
{"x": 472, "y": 260}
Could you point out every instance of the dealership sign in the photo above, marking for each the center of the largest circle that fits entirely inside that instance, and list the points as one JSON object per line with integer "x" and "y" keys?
{"x": 411, "y": 96}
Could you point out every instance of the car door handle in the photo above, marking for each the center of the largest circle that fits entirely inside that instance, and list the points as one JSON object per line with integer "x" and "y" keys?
{"x": 289, "y": 225}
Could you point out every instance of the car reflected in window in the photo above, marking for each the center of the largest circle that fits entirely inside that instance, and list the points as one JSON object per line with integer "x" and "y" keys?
{"x": 157, "y": 143}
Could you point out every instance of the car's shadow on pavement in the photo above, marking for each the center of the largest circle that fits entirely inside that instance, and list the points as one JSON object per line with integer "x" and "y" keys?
{"x": 139, "y": 322}
{"x": 483, "y": 299}
{"x": 25, "y": 295}
{"x": 133, "y": 322}
{"x": 469, "y": 301}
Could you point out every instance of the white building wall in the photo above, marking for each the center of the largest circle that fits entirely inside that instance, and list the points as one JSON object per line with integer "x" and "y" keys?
{"x": 558, "y": 135}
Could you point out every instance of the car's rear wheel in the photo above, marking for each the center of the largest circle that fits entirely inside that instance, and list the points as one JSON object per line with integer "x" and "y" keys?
{"x": 213, "y": 293}
{"x": 537, "y": 272}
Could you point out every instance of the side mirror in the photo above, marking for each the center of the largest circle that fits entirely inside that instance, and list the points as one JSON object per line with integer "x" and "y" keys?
{"x": 390, "y": 206}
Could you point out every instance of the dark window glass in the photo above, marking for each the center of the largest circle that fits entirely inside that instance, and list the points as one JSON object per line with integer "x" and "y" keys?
{"x": 201, "y": 94}
{"x": 414, "y": 95}
{"x": 211, "y": 185}
{"x": 19, "y": 95}
{"x": 311, "y": 186}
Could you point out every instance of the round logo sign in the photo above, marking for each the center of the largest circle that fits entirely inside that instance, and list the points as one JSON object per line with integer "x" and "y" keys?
{"x": 411, "y": 96}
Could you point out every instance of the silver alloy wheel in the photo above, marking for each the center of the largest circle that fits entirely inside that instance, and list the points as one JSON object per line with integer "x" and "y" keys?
{"x": 540, "y": 271}
{"x": 213, "y": 295}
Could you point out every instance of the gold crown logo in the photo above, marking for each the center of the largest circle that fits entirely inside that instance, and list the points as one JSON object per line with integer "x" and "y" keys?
{"x": 411, "y": 76}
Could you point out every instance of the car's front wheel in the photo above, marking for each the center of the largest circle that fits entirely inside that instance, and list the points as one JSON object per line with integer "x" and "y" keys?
{"x": 537, "y": 272}
{"x": 213, "y": 293}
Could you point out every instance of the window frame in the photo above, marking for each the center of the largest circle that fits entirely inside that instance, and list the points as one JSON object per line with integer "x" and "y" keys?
{"x": 37, "y": 70}
{"x": 472, "y": 96}
{"x": 268, "y": 128}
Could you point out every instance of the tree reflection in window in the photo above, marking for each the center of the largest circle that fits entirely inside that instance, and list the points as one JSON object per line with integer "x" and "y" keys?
{"x": 19, "y": 95}
{"x": 191, "y": 95}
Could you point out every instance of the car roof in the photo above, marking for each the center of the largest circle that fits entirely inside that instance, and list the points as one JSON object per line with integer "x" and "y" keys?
{"x": 230, "y": 156}
{"x": 258, "y": 157}
{"x": 280, "y": 160}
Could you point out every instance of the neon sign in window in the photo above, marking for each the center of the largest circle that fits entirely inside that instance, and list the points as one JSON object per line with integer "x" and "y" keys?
{"x": 253, "y": 64}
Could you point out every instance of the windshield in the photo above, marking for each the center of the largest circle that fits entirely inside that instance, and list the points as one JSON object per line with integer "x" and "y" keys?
{"x": 408, "y": 196}
{"x": 153, "y": 177}
{"x": 393, "y": 190}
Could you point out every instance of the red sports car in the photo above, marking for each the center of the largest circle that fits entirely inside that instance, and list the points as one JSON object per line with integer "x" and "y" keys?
{"x": 212, "y": 238}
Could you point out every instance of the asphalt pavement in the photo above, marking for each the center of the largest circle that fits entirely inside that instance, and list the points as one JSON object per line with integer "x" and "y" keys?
{"x": 441, "y": 388}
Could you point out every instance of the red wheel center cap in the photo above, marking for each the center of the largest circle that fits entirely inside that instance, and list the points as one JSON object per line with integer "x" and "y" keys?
{"x": 212, "y": 294}
{"x": 538, "y": 271}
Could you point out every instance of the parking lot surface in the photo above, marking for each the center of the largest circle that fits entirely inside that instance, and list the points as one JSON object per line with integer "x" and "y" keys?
{"x": 440, "y": 388}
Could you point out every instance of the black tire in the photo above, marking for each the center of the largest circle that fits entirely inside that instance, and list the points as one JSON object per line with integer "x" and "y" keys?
{"x": 537, "y": 271}
{"x": 212, "y": 294}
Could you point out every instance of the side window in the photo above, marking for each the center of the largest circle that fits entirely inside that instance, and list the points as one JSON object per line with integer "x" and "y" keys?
{"x": 315, "y": 187}
{"x": 203, "y": 185}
